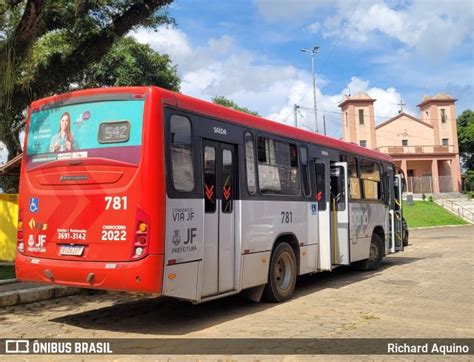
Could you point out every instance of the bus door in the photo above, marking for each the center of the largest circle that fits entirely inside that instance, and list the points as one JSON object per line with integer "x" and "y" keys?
{"x": 339, "y": 214}
{"x": 321, "y": 169}
{"x": 396, "y": 215}
{"x": 219, "y": 181}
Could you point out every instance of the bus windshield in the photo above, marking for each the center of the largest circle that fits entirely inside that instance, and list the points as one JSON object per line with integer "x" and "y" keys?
{"x": 109, "y": 129}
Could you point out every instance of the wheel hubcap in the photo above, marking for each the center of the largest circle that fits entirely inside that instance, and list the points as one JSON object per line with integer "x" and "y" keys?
{"x": 283, "y": 271}
{"x": 373, "y": 252}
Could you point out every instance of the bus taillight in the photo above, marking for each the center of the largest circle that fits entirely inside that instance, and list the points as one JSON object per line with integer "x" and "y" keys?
{"x": 142, "y": 227}
{"x": 19, "y": 237}
{"x": 141, "y": 241}
{"x": 140, "y": 245}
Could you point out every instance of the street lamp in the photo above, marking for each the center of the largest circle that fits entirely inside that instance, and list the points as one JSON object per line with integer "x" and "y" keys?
{"x": 313, "y": 55}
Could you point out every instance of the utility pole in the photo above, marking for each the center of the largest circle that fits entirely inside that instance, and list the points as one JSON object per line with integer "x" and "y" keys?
{"x": 295, "y": 112}
{"x": 313, "y": 68}
{"x": 324, "y": 124}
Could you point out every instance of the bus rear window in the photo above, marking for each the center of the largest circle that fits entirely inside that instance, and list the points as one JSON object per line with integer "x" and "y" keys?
{"x": 106, "y": 129}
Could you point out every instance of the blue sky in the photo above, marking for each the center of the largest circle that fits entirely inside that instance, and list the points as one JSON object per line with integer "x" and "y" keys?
{"x": 249, "y": 51}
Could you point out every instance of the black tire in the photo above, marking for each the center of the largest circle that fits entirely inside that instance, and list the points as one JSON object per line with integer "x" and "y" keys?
{"x": 281, "y": 274}
{"x": 405, "y": 233}
{"x": 375, "y": 255}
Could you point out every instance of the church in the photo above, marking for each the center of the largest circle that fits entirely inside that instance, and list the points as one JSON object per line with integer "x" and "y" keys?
{"x": 425, "y": 148}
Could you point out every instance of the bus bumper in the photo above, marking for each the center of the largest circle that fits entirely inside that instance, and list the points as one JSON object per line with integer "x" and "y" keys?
{"x": 144, "y": 275}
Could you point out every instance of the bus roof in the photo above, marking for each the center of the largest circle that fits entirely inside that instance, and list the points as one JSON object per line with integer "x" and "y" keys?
{"x": 234, "y": 116}
{"x": 231, "y": 115}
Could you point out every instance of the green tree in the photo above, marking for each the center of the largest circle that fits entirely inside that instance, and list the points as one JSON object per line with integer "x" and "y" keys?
{"x": 47, "y": 46}
{"x": 465, "y": 123}
{"x": 223, "y": 101}
{"x": 131, "y": 63}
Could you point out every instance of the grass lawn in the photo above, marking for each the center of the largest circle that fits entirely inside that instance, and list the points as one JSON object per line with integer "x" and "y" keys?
{"x": 7, "y": 272}
{"x": 426, "y": 213}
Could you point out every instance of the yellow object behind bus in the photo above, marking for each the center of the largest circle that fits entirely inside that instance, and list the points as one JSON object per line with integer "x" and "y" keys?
{"x": 8, "y": 226}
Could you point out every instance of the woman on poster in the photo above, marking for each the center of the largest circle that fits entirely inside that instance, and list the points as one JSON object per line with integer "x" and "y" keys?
{"x": 63, "y": 140}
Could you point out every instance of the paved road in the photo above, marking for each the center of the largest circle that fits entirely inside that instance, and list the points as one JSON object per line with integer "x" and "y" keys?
{"x": 427, "y": 291}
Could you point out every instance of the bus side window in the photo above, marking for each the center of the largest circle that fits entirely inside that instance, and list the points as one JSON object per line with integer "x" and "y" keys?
{"x": 277, "y": 167}
{"x": 384, "y": 185}
{"x": 250, "y": 163}
{"x": 305, "y": 171}
{"x": 227, "y": 177}
{"x": 181, "y": 154}
{"x": 210, "y": 179}
{"x": 370, "y": 175}
{"x": 386, "y": 188}
{"x": 353, "y": 175}
{"x": 338, "y": 191}
{"x": 321, "y": 185}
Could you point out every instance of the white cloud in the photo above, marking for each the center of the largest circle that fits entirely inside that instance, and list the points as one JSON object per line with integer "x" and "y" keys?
{"x": 313, "y": 28}
{"x": 3, "y": 153}
{"x": 275, "y": 10}
{"x": 167, "y": 40}
{"x": 432, "y": 29}
{"x": 221, "y": 68}
{"x": 385, "y": 107}
{"x": 3, "y": 148}
{"x": 387, "y": 100}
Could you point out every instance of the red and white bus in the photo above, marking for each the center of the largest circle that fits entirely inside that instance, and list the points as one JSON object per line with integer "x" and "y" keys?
{"x": 145, "y": 190}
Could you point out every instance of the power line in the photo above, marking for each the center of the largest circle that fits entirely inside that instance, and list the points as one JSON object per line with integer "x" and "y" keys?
{"x": 340, "y": 121}
{"x": 340, "y": 37}
{"x": 367, "y": 115}
{"x": 334, "y": 44}
{"x": 368, "y": 132}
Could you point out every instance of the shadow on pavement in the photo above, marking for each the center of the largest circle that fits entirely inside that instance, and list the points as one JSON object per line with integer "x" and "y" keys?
{"x": 163, "y": 315}
{"x": 344, "y": 276}
{"x": 168, "y": 316}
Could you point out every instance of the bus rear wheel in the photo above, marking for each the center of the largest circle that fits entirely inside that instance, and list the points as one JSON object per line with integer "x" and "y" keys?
{"x": 405, "y": 232}
{"x": 376, "y": 252}
{"x": 281, "y": 275}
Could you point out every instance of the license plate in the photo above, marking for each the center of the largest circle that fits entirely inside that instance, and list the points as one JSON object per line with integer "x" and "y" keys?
{"x": 75, "y": 250}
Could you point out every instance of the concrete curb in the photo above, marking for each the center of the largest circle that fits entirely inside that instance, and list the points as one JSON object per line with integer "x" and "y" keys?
{"x": 37, "y": 294}
{"x": 8, "y": 281}
{"x": 439, "y": 226}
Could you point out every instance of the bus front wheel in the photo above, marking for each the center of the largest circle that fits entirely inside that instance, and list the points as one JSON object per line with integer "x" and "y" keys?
{"x": 281, "y": 275}
{"x": 376, "y": 253}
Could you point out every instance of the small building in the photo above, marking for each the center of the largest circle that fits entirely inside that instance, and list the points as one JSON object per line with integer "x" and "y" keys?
{"x": 425, "y": 148}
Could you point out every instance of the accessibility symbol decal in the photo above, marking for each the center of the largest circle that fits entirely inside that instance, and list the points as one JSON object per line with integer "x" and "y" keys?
{"x": 34, "y": 204}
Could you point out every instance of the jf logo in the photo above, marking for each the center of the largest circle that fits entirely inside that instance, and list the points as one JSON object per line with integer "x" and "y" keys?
{"x": 34, "y": 204}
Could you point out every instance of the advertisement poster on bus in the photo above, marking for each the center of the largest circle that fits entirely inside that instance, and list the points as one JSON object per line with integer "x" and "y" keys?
{"x": 106, "y": 129}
